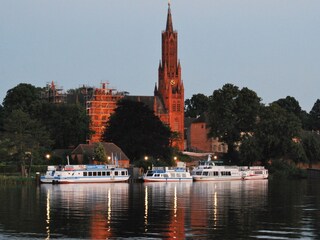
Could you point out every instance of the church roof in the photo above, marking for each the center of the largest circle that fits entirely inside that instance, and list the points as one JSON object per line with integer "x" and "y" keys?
{"x": 149, "y": 101}
{"x": 169, "y": 27}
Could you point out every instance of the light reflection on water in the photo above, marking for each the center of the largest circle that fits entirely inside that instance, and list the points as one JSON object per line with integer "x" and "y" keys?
{"x": 200, "y": 210}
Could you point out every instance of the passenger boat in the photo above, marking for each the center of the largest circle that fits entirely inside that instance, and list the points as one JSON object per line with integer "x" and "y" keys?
{"x": 254, "y": 172}
{"x": 208, "y": 171}
{"x": 167, "y": 174}
{"x": 85, "y": 174}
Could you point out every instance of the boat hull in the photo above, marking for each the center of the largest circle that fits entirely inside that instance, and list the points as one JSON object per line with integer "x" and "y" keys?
{"x": 205, "y": 178}
{"x": 255, "y": 177}
{"x": 83, "y": 180}
{"x": 167, "y": 179}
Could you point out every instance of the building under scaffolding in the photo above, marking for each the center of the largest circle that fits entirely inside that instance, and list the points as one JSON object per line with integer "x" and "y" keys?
{"x": 99, "y": 108}
{"x": 54, "y": 94}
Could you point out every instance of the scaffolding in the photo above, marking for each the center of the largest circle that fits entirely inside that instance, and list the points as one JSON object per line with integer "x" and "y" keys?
{"x": 54, "y": 94}
{"x": 100, "y": 107}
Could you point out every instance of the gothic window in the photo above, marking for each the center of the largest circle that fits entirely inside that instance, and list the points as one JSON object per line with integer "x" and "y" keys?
{"x": 176, "y": 126}
{"x": 178, "y": 106}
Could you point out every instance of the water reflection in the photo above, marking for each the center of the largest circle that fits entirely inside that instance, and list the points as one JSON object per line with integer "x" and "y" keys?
{"x": 205, "y": 210}
{"x": 48, "y": 215}
{"x": 92, "y": 206}
{"x": 166, "y": 205}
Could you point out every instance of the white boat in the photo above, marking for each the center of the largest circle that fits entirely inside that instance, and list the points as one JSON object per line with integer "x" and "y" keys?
{"x": 167, "y": 174}
{"x": 254, "y": 172}
{"x": 208, "y": 171}
{"x": 85, "y": 174}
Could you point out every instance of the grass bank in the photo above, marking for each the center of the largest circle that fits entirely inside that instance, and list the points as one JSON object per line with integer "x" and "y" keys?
{"x": 12, "y": 179}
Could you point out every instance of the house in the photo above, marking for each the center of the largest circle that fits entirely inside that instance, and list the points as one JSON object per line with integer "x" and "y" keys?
{"x": 84, "y": 153}
{"x": 198, "y": 140}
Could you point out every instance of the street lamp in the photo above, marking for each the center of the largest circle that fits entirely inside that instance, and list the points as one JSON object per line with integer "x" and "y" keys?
{"x": 146, "y": 158}
{"x": 175, "y": 158}
{"x": 48, "y": 156}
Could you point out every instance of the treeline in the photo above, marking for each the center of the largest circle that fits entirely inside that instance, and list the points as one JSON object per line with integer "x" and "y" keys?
{"x": 30, "y": 126}
{"x": 255, "y": 132}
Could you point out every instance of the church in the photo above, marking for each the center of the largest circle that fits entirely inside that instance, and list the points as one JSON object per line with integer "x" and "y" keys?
{"x": 168, "y": 99}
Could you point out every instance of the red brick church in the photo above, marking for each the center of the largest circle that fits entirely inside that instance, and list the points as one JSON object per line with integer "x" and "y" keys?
{"x": 168, "y": 99}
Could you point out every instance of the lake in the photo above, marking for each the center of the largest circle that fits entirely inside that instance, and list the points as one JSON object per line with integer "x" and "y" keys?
{"x": 257, "y": 209}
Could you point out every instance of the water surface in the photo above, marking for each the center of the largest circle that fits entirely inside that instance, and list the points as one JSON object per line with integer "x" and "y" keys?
{"x": 258, "y": 209}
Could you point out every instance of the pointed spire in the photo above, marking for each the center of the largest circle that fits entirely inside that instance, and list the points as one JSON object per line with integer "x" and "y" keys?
{"x": 169, "y": 27}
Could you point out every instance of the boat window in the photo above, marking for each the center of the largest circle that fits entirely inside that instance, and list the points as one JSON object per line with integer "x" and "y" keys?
{"x": 116, "y": 173}
{"x": 99, "y": 173}
{"x": 90, "y": 173}
{"x": 215, "y": 173}
{"x": 123, "y": 173}
{"x": 205, "y": 173}
{"x": 183, "y": 175}
{"x": 94, "y": 173}
{"x": 178, "y": 175}
{"x": 149, "y": 173}
{"x": 108, "y": 173}
{"x": 85, "y": 174}
{"x": 165, "y": 175}
{"x": 103, "y": 173}
{"x": 225, "y": 173}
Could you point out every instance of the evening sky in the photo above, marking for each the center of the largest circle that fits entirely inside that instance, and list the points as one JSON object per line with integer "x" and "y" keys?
{"x": 270, "y": 46}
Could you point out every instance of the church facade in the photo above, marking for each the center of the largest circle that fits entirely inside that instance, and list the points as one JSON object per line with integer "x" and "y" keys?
{"x": 170, "y": 89}
{"x": 168, "y": 100}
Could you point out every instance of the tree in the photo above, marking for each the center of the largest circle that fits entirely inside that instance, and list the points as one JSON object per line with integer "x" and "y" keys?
{"x": 1, "y": 118}
{"x": 276, "y": 130}
{"x": 232, "y": 114}
{"x": 138, "y": 132}
{"x": 315, "y": 116}
{"x": 311, "y": 146}
{"x": 99, "y": 153}
{"x": 292, "y": 106}
{"x": 24, "y": 96}
{"x": 250, "y": 151}
{"x": 197, "y": 105}
{"x": 22, "y": 135}
{"x": 68, "y": 124}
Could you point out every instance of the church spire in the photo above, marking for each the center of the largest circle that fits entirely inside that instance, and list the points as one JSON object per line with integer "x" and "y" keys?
{"x": 169, "y": 27}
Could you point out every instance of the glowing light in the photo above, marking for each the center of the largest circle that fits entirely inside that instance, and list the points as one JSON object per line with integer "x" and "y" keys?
{"x": 48, "y": 215}
{"x": 109, "y": 210}
{"x": 146, "y": 209}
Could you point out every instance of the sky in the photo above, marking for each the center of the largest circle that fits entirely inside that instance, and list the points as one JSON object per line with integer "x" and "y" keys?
{"x": 269, "y": 46}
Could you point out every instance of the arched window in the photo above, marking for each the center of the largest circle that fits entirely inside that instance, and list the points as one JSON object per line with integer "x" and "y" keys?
{"x": 178, "y": 107}
{"x": 174, "y": 106}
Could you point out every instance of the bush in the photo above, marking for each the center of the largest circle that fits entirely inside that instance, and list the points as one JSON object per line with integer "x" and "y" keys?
{"x": 282, "y": 168}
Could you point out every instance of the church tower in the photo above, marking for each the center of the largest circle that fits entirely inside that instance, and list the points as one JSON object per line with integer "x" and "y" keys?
{"x": 170, "y": 88}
